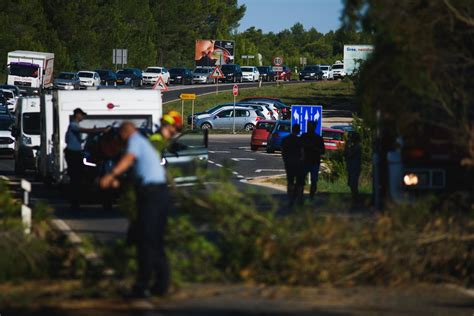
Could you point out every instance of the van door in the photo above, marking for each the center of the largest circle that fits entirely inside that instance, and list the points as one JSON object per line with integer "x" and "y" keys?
{"x": 186, "y": 155}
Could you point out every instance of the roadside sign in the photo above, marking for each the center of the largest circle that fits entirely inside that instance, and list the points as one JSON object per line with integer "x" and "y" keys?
{"x": 302, "y": 114}
{"x": 217, "y": 73}
{"x": 160, "y": 85}
{"x": 277, "y": 68}
{"x": 187, "y": 96}
{"x": 278, "y": 61}
{"x": 235, "y": 90}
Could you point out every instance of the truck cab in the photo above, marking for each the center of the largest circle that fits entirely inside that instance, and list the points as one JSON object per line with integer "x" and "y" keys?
{"x": 30, "y": 71}
{"x": 26, "y": 133}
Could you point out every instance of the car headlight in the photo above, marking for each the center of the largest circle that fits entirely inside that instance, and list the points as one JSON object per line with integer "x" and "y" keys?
{"x": 312, "y": 74}
{"x": 26, "y": 140}
{"x": 410, "y": 179}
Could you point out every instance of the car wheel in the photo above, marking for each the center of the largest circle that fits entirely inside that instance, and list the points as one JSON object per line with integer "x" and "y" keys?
{"x": 253, "y": 147}
{"x": 206, "y": 126}
{"x": 270, "y": 150}
{"x": 249, "y": 127}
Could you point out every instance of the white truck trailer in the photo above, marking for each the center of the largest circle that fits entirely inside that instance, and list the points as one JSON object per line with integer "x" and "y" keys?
{"x": 354, "y": 55}
{"x": 30, "y": 71}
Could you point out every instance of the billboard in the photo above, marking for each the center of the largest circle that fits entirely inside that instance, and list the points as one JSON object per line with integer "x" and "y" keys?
{"x": 214, "y": 52}
{"x": 354, "y": 54}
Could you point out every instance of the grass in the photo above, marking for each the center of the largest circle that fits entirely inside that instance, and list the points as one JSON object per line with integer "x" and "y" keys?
{"x": 326, "y": 186}
{"x": 330, "y": 94}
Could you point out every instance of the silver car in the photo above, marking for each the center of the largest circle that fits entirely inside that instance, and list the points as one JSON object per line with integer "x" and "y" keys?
{"x": 67, "y": 81}
{"x": 246, "y": 118}
{"x": 202, "y": 75}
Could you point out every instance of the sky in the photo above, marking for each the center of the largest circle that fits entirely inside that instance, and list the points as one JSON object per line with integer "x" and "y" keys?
{"x": 277, "y": 15}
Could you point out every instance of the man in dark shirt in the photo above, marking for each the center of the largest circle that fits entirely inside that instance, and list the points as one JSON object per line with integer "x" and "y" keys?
{"x": 313, "y": 148}
{"x": 292, "y": 155}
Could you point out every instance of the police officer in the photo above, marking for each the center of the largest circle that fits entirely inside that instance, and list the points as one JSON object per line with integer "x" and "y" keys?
{"x": 313, "y": 149}
{"x": 74, "y": 156}
{"x": 153, "y": 204}
{"x": 291, "y": 153}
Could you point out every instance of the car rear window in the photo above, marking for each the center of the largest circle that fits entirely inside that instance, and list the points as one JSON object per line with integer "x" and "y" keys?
{"x": 86, "y": 74}
{"x": 284, "y": 128}
{"x": 333, "y": 135}
{"x": 265, "y": 125}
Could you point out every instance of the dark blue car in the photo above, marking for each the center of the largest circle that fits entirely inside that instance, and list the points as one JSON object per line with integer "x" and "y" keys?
{"x": 280, "y": 130}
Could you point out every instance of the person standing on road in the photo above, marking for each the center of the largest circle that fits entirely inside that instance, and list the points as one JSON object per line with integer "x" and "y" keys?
{"x": 153, "y": 204}
{"x": 313, "y": 149}
{"x": 291, "y": 153}
{"x": 353, "y": 155}
{"x": 73, "y": 153}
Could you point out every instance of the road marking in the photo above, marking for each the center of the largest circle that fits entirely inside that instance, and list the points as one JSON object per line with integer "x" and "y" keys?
{"x": 269, "y": 170}
{"x": 219, "y": 152}
{"x": 242, "y": 159}
{"x": 235, "y": 173}
{"x": 240, "y": 177}
{"x": 219, "y": 165}
{"x": 269, "y": 154}
{"x": 210, "y": 161}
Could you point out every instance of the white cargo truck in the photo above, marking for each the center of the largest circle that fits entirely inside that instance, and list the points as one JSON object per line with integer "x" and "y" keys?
{"x": 354, "y": 55}
{"x": 30, "y": 71}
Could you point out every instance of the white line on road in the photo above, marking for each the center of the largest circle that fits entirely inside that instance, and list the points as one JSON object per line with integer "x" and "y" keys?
{"x": 219, "y": 165}
{"x": 210, "y": 161}
{"x": 219, "y": 152}
{"x": 269, "y": 170}
{"x": 242, "y": 159}
{"x": 235, "y": 173}
{"x": 240, "y": 176}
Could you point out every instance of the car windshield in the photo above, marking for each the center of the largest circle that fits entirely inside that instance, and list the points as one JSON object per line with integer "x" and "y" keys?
{"x": 247, "y": 69}
{"x": 177, "y": 71}
{"x": 31, "y": 123}
{"x": 124, "y": 72}
{"x": 86, "y": 74}
{"x": 201, "y": 71}
{"x": 324, "y": 68}
{"x": 5, "y": 123}
{"x": 284, "y": 127}
{"x": 8, "y": 94}
{"x": 24, "y": 70}
{"x": 265, "y": 125}
{"x": 338, "y": 66}
{"x": 66, "y": 76}
{"x": 332, "y": 135}
{"x": 102, "y": 73}
{"x": 311, "y": 69}
{"x": 153, "y": 70}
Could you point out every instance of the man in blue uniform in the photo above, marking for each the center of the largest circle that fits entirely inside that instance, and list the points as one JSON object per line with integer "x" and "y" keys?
{"x": 153, "y": 204}
{"x": 74, "y": 156}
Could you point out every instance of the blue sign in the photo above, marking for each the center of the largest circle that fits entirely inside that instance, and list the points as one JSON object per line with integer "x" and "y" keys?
{"x": 302, "y": 114}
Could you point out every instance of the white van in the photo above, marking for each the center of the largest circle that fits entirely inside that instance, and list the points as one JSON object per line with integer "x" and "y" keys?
{"x": 27, "y": 133}
{"x": 104, "y": 107}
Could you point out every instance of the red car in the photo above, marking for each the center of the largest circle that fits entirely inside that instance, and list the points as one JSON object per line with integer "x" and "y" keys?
{"x": 333, "y": 139}
{"x": 285, "y": 74}
{"x": 260, "y": 134}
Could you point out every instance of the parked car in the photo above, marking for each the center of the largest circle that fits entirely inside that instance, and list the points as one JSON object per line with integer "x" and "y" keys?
{"x": 267, "y": 73}
{"x": 232, "y": 73}
{"x": 333, "y": 139}
{"x": 181, "y": 76}
{"x": 266, "y": 110}
{"x": 280, "y": 130}
{"x": 327, "y": 73}
{"x": 313, "y": 72}
{"x": 245, "y": 119}
{"x": 260, "y": 134}
{"x": 7, "y": 141}
{"x": 9, "y": 99}
{"x": 88, "y": 78}
{"x": 130, "y": 76}
{"x": 250, "y": 73}
{"x": 283, "y": 111}
{"x": 202, "y": 75}
{"x": 151, "y": 75}
{"x": 285, "y": 75}
{"x": 107, "y": 77}
{"x": 338, "y": 70}
{"x": 67, "y": 81}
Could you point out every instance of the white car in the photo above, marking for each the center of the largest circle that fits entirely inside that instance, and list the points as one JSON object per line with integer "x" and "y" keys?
{"x": 151, "y": 75}
{"x": 327, "y": 72}
{"x": 89, "y": 78}
{"x": 10, "y": 98}
{"x": 250, "y": 73}
{"x": 7, "y": 141}
{"x": 338, "y": 71}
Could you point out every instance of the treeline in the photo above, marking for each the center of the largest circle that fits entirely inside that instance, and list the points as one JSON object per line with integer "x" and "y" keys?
{"x": 82, "y": 33}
